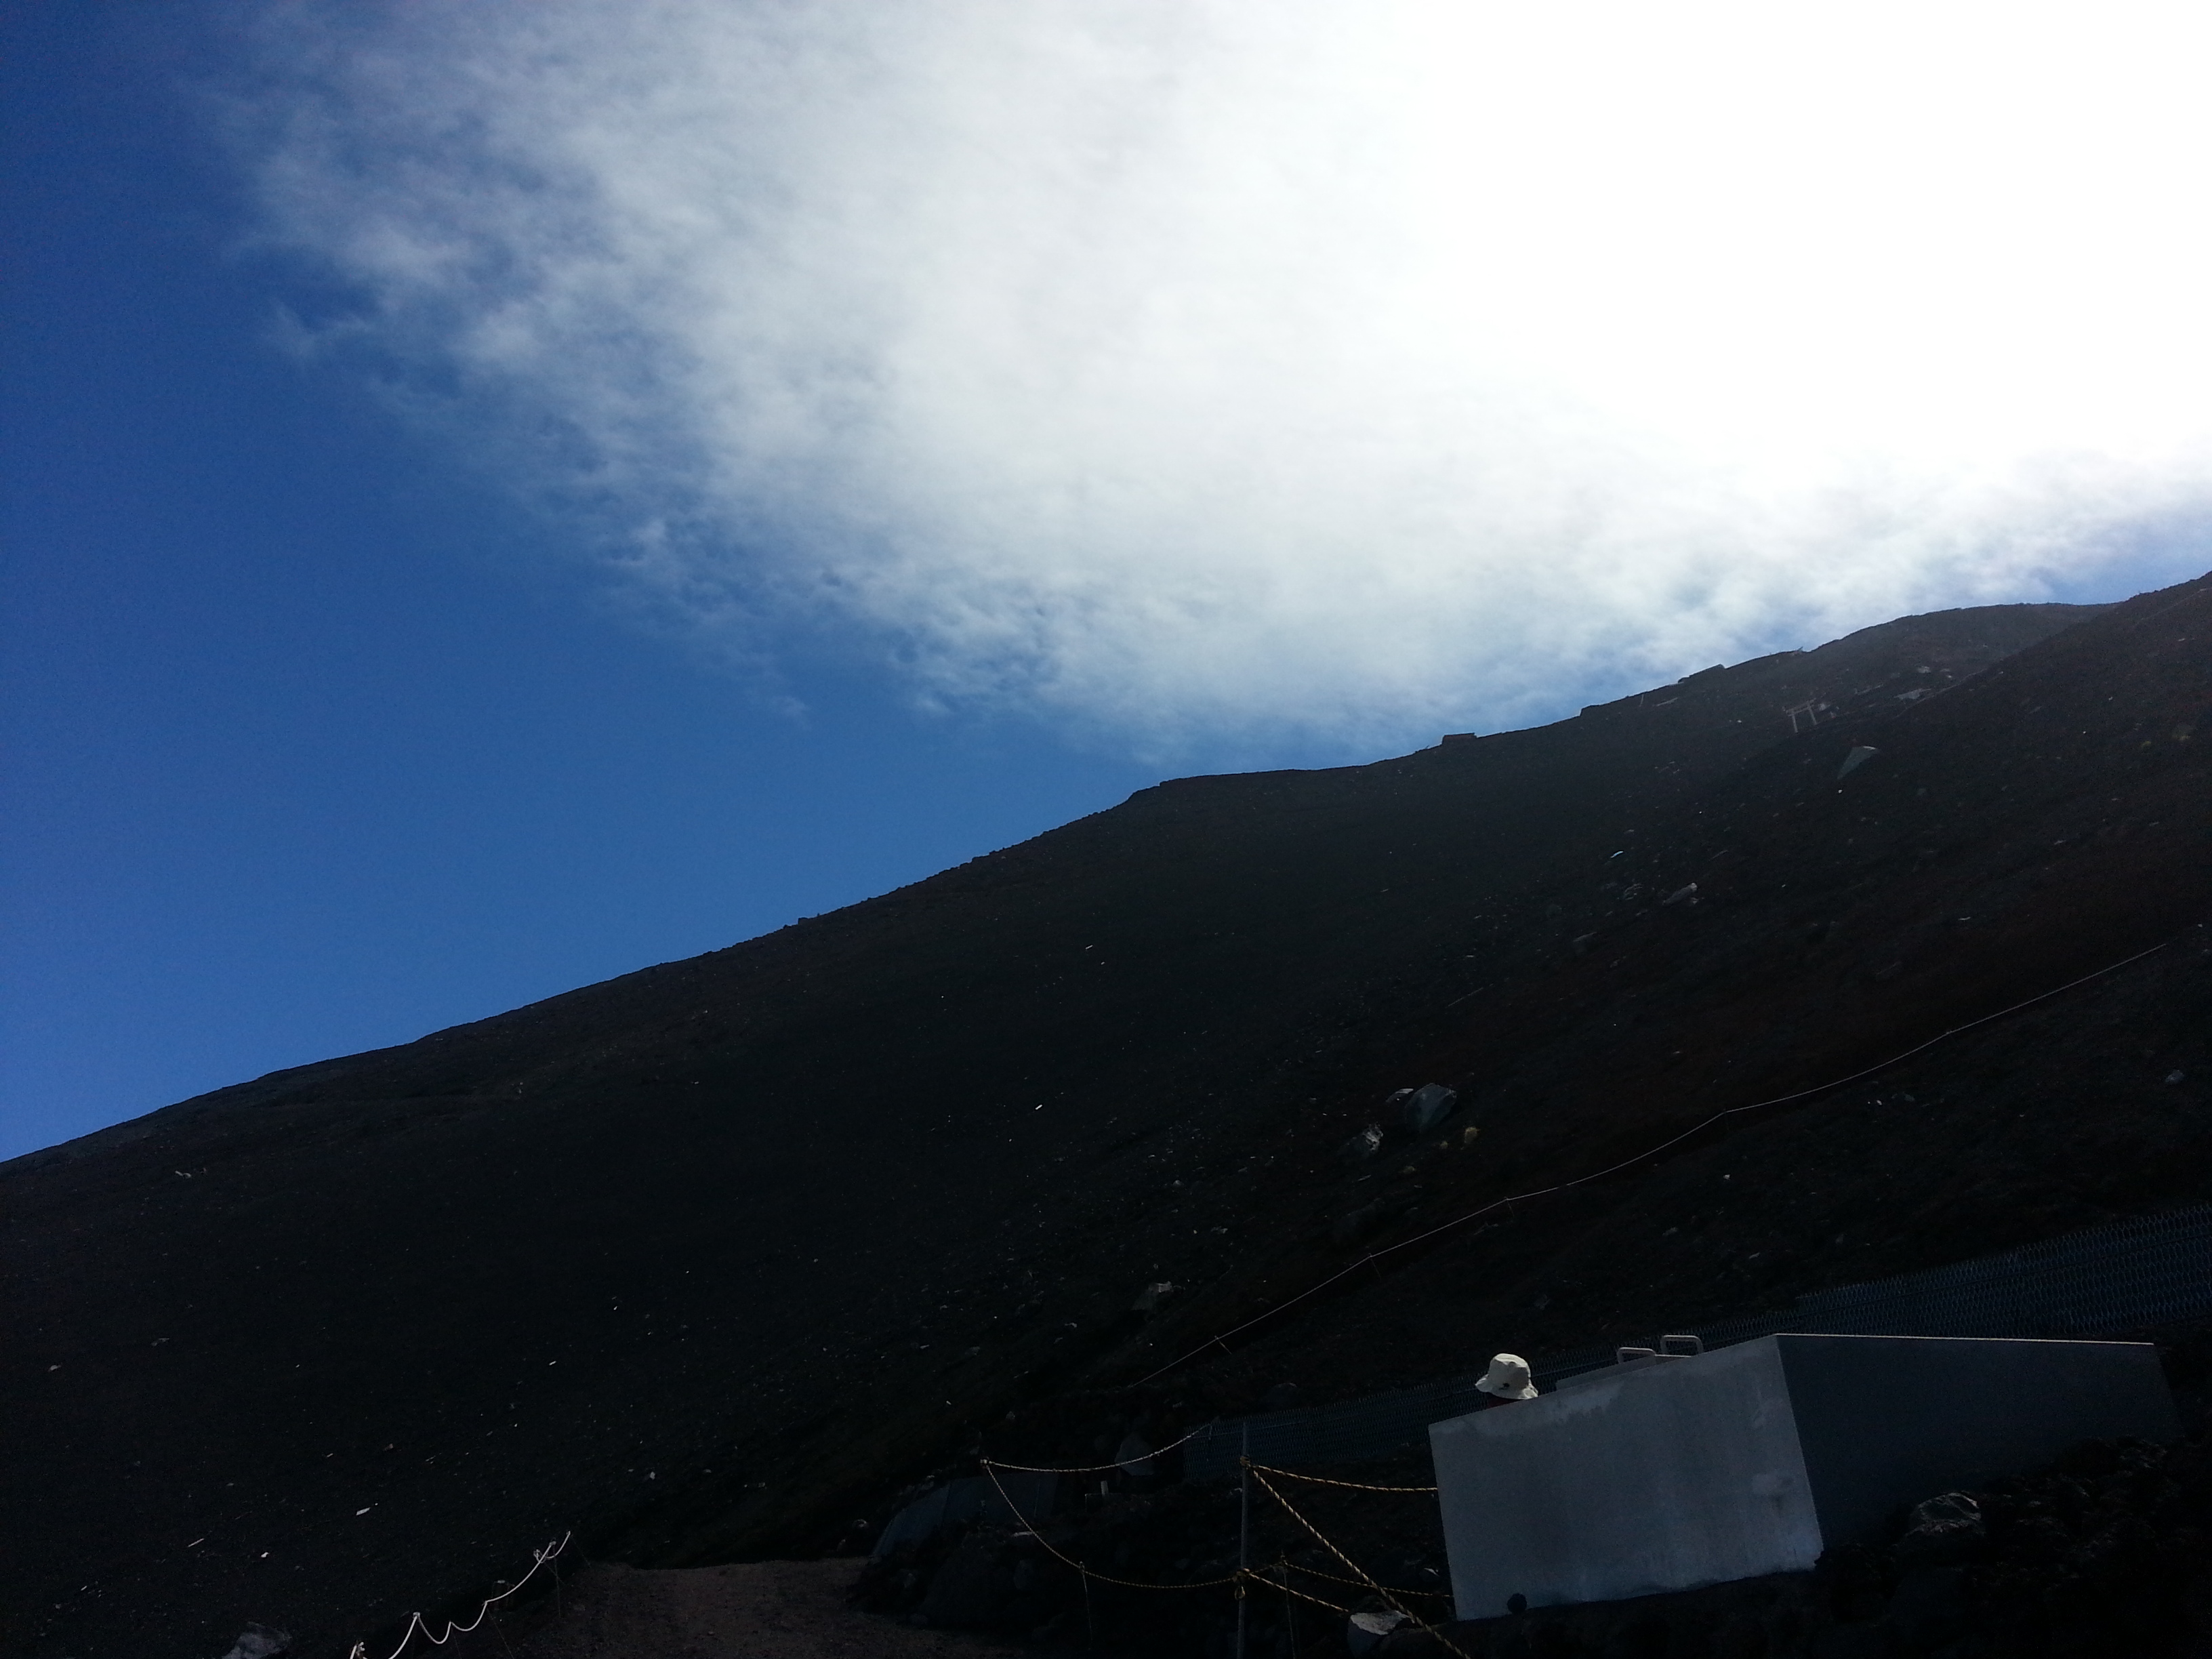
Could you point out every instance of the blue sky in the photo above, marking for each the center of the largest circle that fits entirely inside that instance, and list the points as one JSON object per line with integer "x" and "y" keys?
{"x": 310, "y": 748}
{"x": 476, "y": 524}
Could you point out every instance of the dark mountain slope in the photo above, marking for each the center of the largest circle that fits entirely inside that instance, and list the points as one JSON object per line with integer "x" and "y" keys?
{"x": 2039, "y": 823}
{"x": 733, "y": 1226}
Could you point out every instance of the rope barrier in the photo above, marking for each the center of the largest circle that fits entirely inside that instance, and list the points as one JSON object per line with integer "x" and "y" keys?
{"x": 1333, "y": 1579}
{"x": 1274, "y": 1584}
{"x": 1237, "y": 1577}
{"x": 1221, "y": 1340}
{"x": 360, "y": 1649}
{"x": 1102, "y": 1468}
{"x": 1274, "y": 1576}
{"x": 1242, "y": 1575}
{"x": 1322, "y": 1538}
{"x": 1323, "y": 1480}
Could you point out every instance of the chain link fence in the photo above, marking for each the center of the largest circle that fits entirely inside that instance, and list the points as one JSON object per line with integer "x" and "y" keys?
{"x": 2132, "y": 1275}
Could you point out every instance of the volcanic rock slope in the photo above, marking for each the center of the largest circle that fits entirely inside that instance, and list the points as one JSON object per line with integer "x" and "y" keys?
{"x": 700, "y": 1260}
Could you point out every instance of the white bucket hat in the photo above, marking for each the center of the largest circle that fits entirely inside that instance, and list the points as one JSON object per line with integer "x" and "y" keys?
{"x": 1508, "y": 1378}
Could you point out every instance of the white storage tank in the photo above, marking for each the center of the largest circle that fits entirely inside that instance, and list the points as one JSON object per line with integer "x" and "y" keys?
{"x": 1667, "y": 1474}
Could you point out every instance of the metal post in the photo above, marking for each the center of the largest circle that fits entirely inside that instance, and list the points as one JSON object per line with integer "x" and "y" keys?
{"x": 1243, "y": 1531}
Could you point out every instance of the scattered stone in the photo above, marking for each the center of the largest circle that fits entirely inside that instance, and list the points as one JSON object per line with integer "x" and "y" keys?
{"x": 1945, "y": 1528}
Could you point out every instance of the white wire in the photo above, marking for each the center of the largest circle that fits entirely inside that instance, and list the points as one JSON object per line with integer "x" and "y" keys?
{"x": 360, "y": 1649}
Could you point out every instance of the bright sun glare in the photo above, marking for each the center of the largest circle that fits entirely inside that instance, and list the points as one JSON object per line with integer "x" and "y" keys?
{"x": 1229, "y": 367}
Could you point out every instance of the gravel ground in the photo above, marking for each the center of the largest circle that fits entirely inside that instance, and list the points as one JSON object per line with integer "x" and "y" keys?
{"x": 758, "y": 1610}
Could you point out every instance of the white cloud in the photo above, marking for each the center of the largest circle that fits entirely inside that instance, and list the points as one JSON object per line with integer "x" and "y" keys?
{"x": 1240, "y": 365}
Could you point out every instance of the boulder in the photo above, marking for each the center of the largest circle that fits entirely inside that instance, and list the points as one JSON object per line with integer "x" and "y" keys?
{"x": 1363, "y": 1633}
{"x": 973, "y": 1584}
{"x": 1428, "y": 1106}
{"x": 1945, "y": 1528}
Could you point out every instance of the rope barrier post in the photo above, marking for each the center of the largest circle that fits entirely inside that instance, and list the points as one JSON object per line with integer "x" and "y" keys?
{"x": 1382, "y": 1590}
{"x": 1243, "y": 1529}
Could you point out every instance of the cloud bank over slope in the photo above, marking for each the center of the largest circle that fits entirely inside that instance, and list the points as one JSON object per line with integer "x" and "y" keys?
{"x": 1232, "y": 366}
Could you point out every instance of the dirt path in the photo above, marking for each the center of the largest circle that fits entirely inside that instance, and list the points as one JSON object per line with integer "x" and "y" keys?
{"x": 758, "y": 1610}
